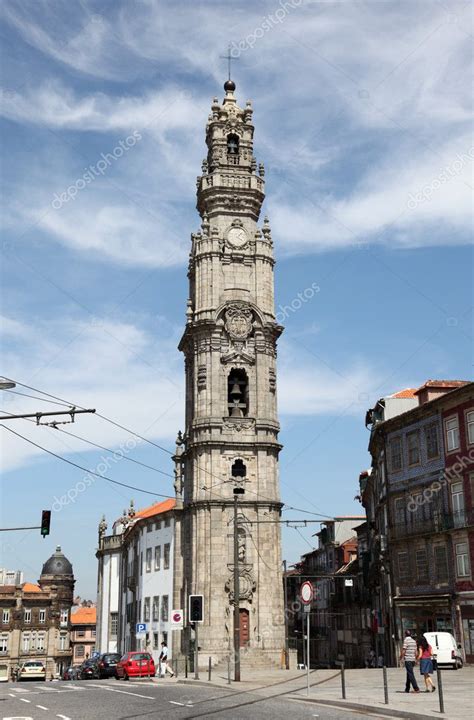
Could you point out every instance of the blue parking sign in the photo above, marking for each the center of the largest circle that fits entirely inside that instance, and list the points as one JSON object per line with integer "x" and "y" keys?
{"x": 140, "y": 628}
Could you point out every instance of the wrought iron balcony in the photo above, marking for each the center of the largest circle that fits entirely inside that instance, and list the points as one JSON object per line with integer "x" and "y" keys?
{"x": 437, "y": 523}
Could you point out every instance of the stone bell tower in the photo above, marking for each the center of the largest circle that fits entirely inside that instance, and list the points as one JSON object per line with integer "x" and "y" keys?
{"x": 231, "y": 434}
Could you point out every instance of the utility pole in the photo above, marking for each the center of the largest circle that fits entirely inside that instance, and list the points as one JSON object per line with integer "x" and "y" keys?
{"x": 285, "y": 596}
{"x": 237, "y": 491}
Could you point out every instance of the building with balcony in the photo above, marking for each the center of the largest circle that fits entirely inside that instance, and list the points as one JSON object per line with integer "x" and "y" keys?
{"x": 418, "y": 501}
{"x": 135, "y": 580}
{"x": 34, "y": 618}
{"x": 83, "y": 633}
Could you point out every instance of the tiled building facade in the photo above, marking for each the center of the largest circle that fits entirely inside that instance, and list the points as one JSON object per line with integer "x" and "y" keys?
{"x": 83, "y": 633}
{"x": 34, "y": 619}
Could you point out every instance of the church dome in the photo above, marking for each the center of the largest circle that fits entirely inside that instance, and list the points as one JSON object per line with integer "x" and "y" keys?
{"x": 58, "y": 564}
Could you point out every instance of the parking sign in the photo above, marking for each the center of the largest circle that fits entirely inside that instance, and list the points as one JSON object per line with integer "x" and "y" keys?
{"x": 140, "y": 629}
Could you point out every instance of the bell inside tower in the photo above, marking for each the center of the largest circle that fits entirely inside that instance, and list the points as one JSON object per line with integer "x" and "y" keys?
{"x": 237, "y": 393}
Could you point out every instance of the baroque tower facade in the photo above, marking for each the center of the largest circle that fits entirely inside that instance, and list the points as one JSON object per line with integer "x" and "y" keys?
{"x": 231, "y": 432}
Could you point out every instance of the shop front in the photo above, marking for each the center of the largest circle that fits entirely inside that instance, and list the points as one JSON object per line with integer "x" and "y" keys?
{"x": 466, "y": 606}
{"x": 426, "y": 613}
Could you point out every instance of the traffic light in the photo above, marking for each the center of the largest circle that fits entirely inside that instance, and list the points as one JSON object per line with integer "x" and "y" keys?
{"x": 45, "y": 522}
{"x": 196, "y": 608}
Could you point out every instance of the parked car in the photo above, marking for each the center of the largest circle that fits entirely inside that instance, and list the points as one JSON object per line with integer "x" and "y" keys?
{"x": 89, "y": 670}
{"x": 3, "y": 673}
{"x": 445, "y": 649}
{"x": 136, "y": 664}
{"x": 71, "y": 673}
{"x": 107, "y": 664}
{"x": 32, "y": 670}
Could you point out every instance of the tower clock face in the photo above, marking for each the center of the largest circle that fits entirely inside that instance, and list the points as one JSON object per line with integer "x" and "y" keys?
{"x": 236, "y": 237}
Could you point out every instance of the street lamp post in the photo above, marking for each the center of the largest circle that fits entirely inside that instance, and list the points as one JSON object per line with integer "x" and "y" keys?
{"x": 6, "y": 384}
{"x": 237, "y": 491}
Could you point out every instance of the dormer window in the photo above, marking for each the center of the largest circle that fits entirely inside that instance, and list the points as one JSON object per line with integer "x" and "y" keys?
{"x": 232, "y": 144}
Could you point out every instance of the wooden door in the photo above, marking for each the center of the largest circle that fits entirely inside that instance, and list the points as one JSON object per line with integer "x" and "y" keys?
{"x": 244, "y": 627}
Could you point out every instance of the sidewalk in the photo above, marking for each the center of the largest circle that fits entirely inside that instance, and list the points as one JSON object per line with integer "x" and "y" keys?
{"x": 364, "y": 690}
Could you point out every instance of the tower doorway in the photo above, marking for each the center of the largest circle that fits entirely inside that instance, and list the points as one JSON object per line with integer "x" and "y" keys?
{"x": 244, "y": 627}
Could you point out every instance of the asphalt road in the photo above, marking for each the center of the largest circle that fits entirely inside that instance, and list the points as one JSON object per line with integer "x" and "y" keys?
{"x": 144, "y": 700}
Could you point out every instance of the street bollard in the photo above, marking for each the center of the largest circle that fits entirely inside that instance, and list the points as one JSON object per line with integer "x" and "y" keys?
{"x": 186, "y": 666}
{"x": 209, "y": 669}
{"x": 385, "y": 684}
{"x": 343, "y": 682}
{"x": 440, "y": 690}
{"x": 228, "y": 670}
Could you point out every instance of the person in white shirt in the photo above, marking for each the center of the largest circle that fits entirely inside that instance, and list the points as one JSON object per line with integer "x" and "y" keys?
{"x": 408, "y": 655}
{"x": 164, "y": 660}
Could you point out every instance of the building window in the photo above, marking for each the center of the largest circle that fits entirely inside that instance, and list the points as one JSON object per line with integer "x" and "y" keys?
{"x": 156, "y": 641}
{"x": 432, "y": 443}
{"x": 155, "y": 608}
{"x": 27, "y": 616}
{"x": 158, "y": 525}
{"x": 164, "y": 608}
{"x": 40, "y": 642}
{"x": 146, "y": 610}
{"x": 237, "y": 393}
{"x": 462, "y": 560}
{"x": 441, "y": 564}
{"x": 93, "y": 632}
{"x": 80, "y": 651}
{"x": 470, "y": 426}
{"x": 141, "y": 563}
{"x": 4, "y": 643}
{"x": 238, "y": 469}
{"x": 157, "y": 557}
{"x": 26, "y": 642}
{"x": 167, "y": 522}
{"x": 166, "y": 556}
{"x": 42, "y": 616}
{"x": 81, "y": 632}
{"x": 452, "y": 433}
{"x": 6, "y": 616}
{"x": 399, "y": 508}
{"x": 396, "y": 454}
{"x": 64, "y": 616}
{"x": 63, "y": 642}
{"x": 113, "y": 624}
{"x": 413, "y": 447}
{"x": 148, "y": 559}
{"x": 403, "y": 567}
{"x": 149, "y": 527}
{"x": 457, "y": 503}
{"x": 421, "y": 565}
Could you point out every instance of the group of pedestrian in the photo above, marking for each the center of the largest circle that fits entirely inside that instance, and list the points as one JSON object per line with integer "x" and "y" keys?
{"x": 413, "y": 652}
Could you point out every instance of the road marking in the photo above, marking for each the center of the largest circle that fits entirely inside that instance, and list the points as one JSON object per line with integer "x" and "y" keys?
{"x": 124, "y": 692}
{"x": 41, "y": 707}
{"x": 24, "y": 700}
{"x": 64, "y": 717}
{"x": 12, "y": 695}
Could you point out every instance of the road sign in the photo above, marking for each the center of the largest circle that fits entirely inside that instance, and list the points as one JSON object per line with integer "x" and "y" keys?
{"x": 140, "y": 629}
{"x": 176, "y": 619}
{"x": 349, "y": 582}
{"x": 306, "y": 592}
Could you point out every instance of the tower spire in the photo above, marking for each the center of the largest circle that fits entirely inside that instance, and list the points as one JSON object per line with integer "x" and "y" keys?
{"x": 229, "y": 57}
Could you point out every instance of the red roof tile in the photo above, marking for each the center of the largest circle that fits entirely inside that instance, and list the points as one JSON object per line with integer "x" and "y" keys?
{"x": 407, "y": 393}
{"x": 84, "y": 616}
{"x": 156, "y": 509}
{"x": 30, "y": 587}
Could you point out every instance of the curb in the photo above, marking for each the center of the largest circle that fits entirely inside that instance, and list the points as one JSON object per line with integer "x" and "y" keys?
{"x": 206, "y": 683}
{"x": 367, "y": 708}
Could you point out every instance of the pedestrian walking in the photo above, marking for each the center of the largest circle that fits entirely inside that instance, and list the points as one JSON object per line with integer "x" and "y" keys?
{"x": 164, "y": 661}
{"x": 408, "y": 655}
{"x": 425, "y": 658}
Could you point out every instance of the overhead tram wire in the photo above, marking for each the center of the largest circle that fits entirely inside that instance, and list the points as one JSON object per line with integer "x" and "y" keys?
{"x": 163, "y": 449}
{"x": 35, "y": 397}
{"x": 87, "y": 470}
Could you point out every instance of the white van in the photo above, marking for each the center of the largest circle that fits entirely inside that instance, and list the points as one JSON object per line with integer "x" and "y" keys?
{"x": 445, "y": 649}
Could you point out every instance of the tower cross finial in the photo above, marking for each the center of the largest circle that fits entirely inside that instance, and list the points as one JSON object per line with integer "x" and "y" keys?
{"x": 229, "y": 57}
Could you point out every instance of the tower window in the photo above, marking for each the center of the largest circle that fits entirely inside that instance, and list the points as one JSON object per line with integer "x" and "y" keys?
{"x": 233, "y": 144}
{"x": 239, "y": 469}
{"x": 237, "y": 393}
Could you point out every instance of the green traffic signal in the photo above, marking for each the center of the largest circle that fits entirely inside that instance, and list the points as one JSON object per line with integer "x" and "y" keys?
{"x": 45, "y": 522}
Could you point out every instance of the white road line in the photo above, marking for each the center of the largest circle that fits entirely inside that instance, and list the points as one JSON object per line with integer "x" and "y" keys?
{"x": 41, "y": 707}
{"x": 25, "y": 700}
{"x": 12, "y": 695}
{"x": 64, "y": 717}
{"x": 173, "y": 702}
{"x": 124, "y": 692}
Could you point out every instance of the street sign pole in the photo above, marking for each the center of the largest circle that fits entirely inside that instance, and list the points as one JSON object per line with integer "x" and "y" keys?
{"x": 307, "y": 608}
{"x": 306, "y": 597}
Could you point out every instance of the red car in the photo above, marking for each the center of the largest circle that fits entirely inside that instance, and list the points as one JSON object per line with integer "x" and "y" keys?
{"x": 136, "y": 664}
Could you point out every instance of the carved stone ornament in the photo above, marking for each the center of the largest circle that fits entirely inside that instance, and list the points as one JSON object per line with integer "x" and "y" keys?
{"x": 247, "y": 584}
{"x": 238, "y": 424}
{"x": 238, "y": 320}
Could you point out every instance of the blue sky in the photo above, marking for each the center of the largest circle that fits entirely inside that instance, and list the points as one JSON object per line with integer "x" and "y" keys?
{"x": 363, "y": 119}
